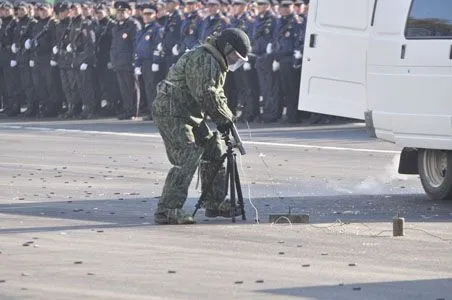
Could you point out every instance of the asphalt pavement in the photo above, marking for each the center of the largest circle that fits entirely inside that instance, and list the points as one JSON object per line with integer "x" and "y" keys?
{"x": 76, "y": 218}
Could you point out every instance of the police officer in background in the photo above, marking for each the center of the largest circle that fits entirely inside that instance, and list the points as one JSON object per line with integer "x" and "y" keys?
{"x": 215, "y": 22}
{"x": 245, "y": 77}
{"x": 262, "y": 47}
{"x": 288, "y": 29}
{"x": 20, "y": 48}
{"x": 61, "y": 59}
{"x": 122, "y": 55}
{"x": 191, "y": 26}
{"x": 82, "y": 46}
{"x": 87, "y": 10}
{"x": 171, "y": 34}
{"x": 40, "y": 46}
{"x": 8, "y": 74}
{"x": 106, "y": 78}
{"x": 162, "y": 16}
{"x": 149, "y": 60}
{"x": 138, "y": 14}
{"x": 70, "y": 73}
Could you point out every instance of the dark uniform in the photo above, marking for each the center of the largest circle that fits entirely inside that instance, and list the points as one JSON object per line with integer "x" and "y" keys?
{"x": 82, "y": 42}
{"x": 21, "y": 56}
{"x": 261, "y": 40}
{"x": 122, "y": 54}
{"x": 287, "y": 33}
{"x": 42, "y": 75}
{"x": 148, "y": 59}
{"x": 161, "y": 19}
{"x": 212, "y": 26}
{"x": 70, "y": 83}
{"x": 108, "y": 85}
{"x": 191, "y": 30}
{"x": 63, "y": 59}
{"x": 171, "y": 38}
{"x": 7, "y": 73}
{"x": 246, "y": 78}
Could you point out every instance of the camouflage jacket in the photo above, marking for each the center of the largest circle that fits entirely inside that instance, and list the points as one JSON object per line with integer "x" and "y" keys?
{"x": 193, "y": 88}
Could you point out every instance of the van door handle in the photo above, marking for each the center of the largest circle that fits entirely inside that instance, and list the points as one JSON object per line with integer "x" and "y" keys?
{"x": 402, "y": 52}
{"x": 450, "y": 52}
{"x": 313, "y": 40}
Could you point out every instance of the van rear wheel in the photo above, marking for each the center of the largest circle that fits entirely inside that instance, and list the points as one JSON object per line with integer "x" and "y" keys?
{"x": 434, "y": 166}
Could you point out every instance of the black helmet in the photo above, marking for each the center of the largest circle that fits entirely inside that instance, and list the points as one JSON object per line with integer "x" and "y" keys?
{"x": 237, "y": 39}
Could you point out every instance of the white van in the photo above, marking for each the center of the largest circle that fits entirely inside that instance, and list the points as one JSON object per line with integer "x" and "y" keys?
{"x": 388, "y": 62}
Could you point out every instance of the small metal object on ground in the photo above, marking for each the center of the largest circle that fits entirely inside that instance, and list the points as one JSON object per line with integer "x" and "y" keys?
{"x": 285, "y": 218}
{"x": 397, "y": 226}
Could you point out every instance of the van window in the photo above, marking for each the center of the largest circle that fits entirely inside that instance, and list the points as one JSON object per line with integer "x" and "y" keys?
{"x": 429, "y": 19}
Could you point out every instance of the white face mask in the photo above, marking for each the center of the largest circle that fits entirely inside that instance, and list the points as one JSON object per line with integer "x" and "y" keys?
{"x": 236, "y": 65}
{"x": 235, "y": 61}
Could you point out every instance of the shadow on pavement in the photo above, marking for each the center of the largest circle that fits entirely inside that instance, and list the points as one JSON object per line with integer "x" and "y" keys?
{"x": 135, "y": 212}
{"x": 415, "y": 289}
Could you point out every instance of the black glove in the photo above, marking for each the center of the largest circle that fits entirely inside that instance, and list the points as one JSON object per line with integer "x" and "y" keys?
{"x": 224, "y": 128}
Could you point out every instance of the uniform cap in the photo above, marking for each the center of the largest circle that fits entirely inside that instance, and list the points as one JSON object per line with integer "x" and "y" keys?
{"x": 6, "y": 4}
{"x": 21, "y": 4}
{"x": 87, "y": 4}
{"x": 62, "y": 6}
{"x": 239, "y": 2}
{"x": 43, "y": 5}
{"x": 213, "y": 2}
{"x": 121, "y": 5}
{"x": 74, "y": 5}
{"x": 101, "y": 6}
{"x": 286, "y": 2}
{"x": 263, "y": 2}
{"x": 149, "y": 8}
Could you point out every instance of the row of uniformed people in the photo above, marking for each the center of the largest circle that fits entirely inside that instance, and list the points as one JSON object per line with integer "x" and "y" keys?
{"x": 83, "y": 55}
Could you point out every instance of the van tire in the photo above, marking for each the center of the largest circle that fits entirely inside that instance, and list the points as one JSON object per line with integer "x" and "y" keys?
{"x": 434, "y": 166}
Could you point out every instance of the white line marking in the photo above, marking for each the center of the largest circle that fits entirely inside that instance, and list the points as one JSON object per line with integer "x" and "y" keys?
{"x": 149, "y": 135}
{"x": 323, "y": 147}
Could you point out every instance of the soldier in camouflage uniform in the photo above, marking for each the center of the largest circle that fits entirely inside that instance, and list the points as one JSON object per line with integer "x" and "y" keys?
{"x": 193, "y": 89}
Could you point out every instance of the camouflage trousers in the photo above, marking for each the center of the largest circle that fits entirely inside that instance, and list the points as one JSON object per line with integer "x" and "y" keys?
{"x": 186, "y": 155}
